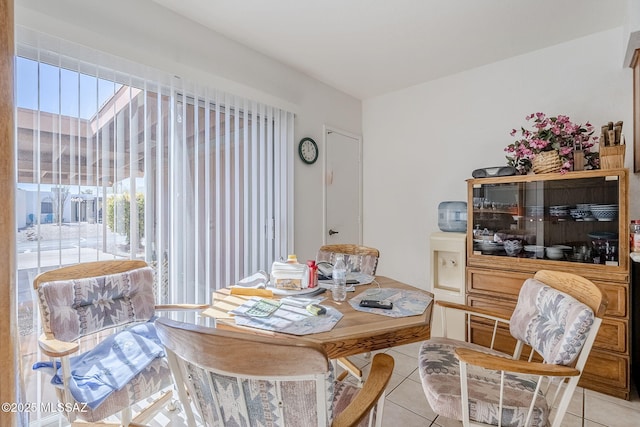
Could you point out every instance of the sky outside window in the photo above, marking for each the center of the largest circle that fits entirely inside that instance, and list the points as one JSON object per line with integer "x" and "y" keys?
{"x": 62, "y": 91}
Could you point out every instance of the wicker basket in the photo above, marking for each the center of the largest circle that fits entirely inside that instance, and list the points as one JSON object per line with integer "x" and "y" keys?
{"x": 546, "y": 162}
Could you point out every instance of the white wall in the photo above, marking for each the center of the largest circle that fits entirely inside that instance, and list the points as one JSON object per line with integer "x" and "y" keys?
{"x": 422, "y": 143}
{"x": 144, "y": 32}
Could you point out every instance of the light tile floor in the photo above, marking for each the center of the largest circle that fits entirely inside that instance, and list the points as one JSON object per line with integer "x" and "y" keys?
{"x": 407, "y": 406}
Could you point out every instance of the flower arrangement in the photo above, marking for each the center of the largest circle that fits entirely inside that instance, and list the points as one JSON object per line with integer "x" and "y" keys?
{"x": 552, "y": 133}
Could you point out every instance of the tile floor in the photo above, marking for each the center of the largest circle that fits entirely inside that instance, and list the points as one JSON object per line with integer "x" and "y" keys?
{"x": 406, "y": 405}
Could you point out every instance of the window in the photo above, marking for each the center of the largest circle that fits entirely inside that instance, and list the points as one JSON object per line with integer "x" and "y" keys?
{"x": 115, "y": 165}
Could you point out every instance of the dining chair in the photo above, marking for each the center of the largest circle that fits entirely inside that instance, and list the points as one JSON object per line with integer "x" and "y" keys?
{"x": 240, "y": 379}
{"x": 557, "y": 317}
{"x": 98, "y": 332}
{"x": 358, "y": 258}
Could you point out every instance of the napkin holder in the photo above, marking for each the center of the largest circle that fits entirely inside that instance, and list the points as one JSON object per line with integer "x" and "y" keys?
{"x": 289, "y": 276}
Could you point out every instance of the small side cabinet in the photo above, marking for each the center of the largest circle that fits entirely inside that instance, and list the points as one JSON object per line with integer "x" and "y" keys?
{"x": 448, "y": 256}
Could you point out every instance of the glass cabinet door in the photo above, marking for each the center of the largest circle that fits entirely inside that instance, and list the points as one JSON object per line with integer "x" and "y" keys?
{"x": 572, "y": 220}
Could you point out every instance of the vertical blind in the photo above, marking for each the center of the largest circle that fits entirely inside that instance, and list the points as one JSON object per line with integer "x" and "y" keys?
{"x": 116, "y": 160}
{"x": 189, "y": 178}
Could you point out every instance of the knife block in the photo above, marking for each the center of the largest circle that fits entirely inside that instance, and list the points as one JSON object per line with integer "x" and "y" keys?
{"x": 612, "y": 156}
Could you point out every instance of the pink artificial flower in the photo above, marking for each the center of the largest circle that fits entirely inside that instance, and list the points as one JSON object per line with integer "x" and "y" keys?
{"x": 552, "y": 133}
{"x": 565, "y": 150}
{"x": 571, "y": 128}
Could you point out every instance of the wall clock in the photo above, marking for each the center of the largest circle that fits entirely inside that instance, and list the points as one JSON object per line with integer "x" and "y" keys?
{"x": 308, "y": 150}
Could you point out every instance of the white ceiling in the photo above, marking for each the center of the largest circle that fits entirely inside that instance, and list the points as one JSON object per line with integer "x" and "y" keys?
{"x": 370, "y": 47}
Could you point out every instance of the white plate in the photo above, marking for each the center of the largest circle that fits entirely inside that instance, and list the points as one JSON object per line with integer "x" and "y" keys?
{"x": 277, "y": 291}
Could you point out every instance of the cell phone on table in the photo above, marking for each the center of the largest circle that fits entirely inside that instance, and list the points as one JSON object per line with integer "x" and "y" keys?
{"x": 371, "y": 303}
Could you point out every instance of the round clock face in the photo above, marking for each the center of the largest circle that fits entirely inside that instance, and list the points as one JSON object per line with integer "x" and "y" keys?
{"x": 308, "y": 150}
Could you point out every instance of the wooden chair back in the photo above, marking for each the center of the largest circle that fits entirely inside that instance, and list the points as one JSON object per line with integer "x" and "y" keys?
{"x": 85, "y": 298}
{"x": 87, "y": 269}
{"x": 290, "y": 380}
{"x": 578, "y": 287}
{"x": 366, "y": 258}
{"x": 239, "y": 378}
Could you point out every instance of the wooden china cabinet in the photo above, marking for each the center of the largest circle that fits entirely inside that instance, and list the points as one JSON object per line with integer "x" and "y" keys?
{"x": 527, "y": 214}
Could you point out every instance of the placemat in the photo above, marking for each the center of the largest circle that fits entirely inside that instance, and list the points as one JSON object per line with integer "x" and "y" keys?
{"x": 290, "y": 319}
{"x": 405, "y": 302}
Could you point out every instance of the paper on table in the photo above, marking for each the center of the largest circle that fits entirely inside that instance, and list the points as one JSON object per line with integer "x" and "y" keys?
{"x": 300, "y": 301}
{"x": 258, "y": 307}
{"x": 258, "y": 280}
{"x": 290, "y": 319}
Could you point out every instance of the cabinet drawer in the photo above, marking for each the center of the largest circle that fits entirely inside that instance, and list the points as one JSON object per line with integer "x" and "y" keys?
{"x": 507, "y": 286}
{"x": 612, "y": 335}
{"x": 605, "y": 369}
{"x": 500, "y": 284}
{"x": 504, "y": 307}
{"x": 617, "y": 295}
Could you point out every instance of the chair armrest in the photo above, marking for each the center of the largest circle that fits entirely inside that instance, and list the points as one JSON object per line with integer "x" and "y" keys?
{"x": 477, "y": 311}
{"x": 367, "y": 397}
{"x": 56, "y": 348}
{"x": 490, "y": 361}
{"x": 181, "y": 307}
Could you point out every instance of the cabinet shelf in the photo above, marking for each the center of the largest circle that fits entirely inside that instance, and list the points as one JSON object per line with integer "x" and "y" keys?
{"x": 536, "y": 210}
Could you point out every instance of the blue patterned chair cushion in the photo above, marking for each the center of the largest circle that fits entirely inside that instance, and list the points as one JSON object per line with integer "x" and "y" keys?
{"x": 553, "y": 323}
{"x": 440, "y": 376}
{"x": 156, "y": 376}
{"x": 72, "y": 309}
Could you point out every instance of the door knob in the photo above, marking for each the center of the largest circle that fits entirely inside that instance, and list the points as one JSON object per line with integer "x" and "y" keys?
{"x": 332, "y": 232}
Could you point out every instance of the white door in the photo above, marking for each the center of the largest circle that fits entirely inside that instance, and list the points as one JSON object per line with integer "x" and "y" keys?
{"x": 343, "y": 187}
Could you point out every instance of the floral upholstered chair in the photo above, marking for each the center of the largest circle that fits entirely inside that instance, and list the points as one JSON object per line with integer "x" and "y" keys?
{"x": 242, "y": 379}
{"x": 105, "y": 354}
{"x": 557, "y": 316}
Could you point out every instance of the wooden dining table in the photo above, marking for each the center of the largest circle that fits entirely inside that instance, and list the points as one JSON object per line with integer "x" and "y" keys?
{"x": 357, "y": 331}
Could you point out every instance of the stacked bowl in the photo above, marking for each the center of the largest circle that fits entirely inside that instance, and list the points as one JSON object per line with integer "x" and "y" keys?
{"x": 604, "y": 212}
{"x": 579, "y": 214}
{"x": 512, "y": 247}
{"x": 557, "y": 251}
{"x": 560, "y": 212}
